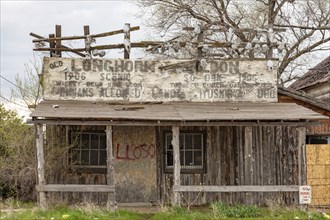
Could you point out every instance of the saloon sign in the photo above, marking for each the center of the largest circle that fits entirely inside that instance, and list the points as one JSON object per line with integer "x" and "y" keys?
{"x": 149, "y": 81}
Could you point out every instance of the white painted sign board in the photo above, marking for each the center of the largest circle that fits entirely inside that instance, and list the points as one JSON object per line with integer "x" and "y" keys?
{"x": 146, "y": 81}
{"x": 305, "y": 194}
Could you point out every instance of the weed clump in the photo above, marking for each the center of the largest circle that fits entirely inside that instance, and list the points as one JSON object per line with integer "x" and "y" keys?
{"x": 221, "y": 210}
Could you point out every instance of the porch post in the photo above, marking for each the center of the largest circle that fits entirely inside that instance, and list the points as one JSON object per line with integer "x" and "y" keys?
{"x": 111, "y": 204}
{"x": 40, "y": 164}
{"x": 176, "y": 163}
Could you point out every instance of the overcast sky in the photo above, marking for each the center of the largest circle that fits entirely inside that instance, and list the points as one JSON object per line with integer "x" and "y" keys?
{"x": 19, "y": 18}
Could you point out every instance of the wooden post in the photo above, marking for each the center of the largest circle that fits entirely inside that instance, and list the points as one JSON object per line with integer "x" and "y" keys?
{"x": 111, "y": 203}
{"x": 200, "y": 40}
{"x": 87, "y": 44}
{"x": 302, "y": 169}
{"x": 58, "y": 33}
{"x": 176, "y": 163}
{"x": 52, "y": 45}
{"x": 40, "y": 164}
{"x": 127, "y": 38}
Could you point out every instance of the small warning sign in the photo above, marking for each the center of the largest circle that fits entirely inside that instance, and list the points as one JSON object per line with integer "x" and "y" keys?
{"x": 305, "y": 194}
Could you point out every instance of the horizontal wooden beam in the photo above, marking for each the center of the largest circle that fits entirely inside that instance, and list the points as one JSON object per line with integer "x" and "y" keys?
{"x": 110, "y": 33}
{"x": 74, "y": 188}
{"x": 68, "y": 48}
{"x": 250, "y": 30}
{"x": 170, "y": 123}
{"x": 256, "y": 188}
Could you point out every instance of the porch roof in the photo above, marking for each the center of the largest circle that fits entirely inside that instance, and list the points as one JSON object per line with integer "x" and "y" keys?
{"x": 179, "y": 112}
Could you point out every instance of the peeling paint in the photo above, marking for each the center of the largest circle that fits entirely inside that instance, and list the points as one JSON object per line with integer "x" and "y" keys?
{"x": 144, "y": 81}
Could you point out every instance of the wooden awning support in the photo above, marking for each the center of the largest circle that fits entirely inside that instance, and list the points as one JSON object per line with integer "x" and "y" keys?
{"x": 176, "y": 164}
{"x": 111, "y": 203}
{"x": 40, "y": 164}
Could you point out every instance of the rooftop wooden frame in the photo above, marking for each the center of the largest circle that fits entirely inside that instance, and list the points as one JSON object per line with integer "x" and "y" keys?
{"x": 56, "y": 46}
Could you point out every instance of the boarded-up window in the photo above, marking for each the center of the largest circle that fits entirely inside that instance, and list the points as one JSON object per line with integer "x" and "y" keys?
{"x": 191, "y": 152}
{"x": 88, "y": 149}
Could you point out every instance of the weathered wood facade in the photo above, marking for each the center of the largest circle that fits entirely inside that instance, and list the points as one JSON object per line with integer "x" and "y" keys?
{"x": 189, "y": 150}
{"x": 252, "y": 156}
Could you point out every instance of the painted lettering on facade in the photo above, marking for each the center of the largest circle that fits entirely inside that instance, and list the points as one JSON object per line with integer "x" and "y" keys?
{"x": 144, "y": 81}
{"x": 137, "y": 152}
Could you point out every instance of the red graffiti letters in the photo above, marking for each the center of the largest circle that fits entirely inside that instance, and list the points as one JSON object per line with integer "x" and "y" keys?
{"x": 141, "y": 151}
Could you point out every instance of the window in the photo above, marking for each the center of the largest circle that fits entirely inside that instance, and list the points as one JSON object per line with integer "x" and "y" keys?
{"x": 191, "y": 152}
{"x": 88, "y": 149}
{"x": 318, "y": 139}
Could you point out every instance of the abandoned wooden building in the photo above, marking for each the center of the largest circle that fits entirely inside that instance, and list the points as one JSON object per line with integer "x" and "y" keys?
{"x": 112, "y": 131}
{"x": 153, "y": 137}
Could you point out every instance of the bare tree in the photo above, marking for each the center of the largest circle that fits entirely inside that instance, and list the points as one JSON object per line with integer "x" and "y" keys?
{"x": 284, "y": 29}
{"x": 28, "y": 87}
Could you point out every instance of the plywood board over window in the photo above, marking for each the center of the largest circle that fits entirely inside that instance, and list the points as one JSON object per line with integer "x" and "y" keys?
{"x": 318, "y": 173}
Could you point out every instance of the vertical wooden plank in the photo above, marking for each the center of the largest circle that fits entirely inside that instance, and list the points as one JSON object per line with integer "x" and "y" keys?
{"x": 111, "y": 203}
{"x": 41, "y": 164}
{"x": 159, "y": 163}
{"x": 51, "y": 45}
{"x": 248, "y": 168}
{"x": 176, "y": 163}
{"x": 87, "y": 43}
{"x": 127, "y": 40}
{"x": 241, "y": 161}
{"x": 303, "y": 162}
{"x": 260, "y": 154}
{"x": 200, "y": 40}
{"x": 58, "y": 33}
{"x": 302, "y": 156}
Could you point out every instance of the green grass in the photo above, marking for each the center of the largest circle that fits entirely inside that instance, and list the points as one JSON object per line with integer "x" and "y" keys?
{"x": 214, "y": 211}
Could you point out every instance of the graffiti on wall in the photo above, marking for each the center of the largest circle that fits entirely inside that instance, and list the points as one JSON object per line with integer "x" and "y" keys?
{"x": 134, "y": 152}
{"x": 144, "y": 80}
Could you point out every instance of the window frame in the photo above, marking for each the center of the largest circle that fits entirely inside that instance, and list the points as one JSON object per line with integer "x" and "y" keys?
{"x": 87, "y": 167}
{"x": 185, "y": 169}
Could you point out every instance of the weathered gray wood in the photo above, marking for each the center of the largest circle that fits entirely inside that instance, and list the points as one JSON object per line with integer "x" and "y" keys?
{"x": 41, "y": 164}
{"x": 75, "y": 188}
{"x": 176, "y": 163}
{"x": 248, "y": 166}
{"x": 127, "y": 37}
{"x": 198, "y": 87}
{"x": 302, "y": 156}
{"x": 59, "y": 121}
{"x": 110, "y": 33}
{"x": 52, "y": 46}
{"x": 40, "y": 37}
{"x": 87, "y": 44}
{"x": 246, "y": 188}
{"x": 111, "y": 203}
{"x": 58, "y": 33}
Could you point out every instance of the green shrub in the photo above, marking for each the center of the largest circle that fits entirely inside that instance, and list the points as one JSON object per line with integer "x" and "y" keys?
{"x": 221, "y": 210}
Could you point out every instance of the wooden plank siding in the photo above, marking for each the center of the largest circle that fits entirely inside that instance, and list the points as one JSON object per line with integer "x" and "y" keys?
{"x": 264, "y": 156}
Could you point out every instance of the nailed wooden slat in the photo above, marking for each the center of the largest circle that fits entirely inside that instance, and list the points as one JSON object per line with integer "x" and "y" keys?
{"x": 74, "y": 188}
{"x": 110, "y": 33}
{"x": 40, "y": 37}
{"x": 246, "y": 188}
